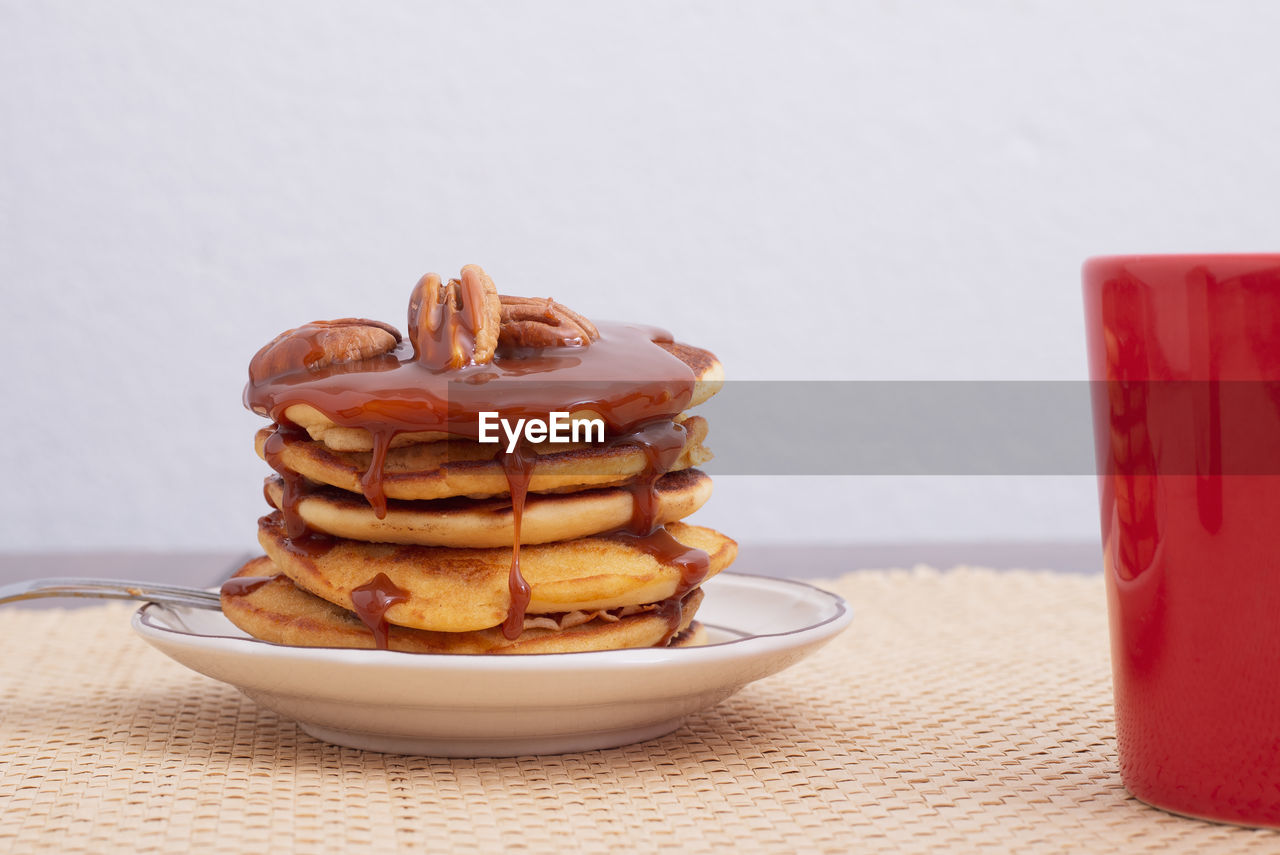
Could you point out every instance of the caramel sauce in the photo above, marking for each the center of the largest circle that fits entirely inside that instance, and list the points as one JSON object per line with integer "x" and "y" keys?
{"x": 518, "y": 465}
{"x": 272, "y": 450}
{"x": 310, "y": 544}
{"x": 370, "y": 603}
{"x": 239, "y": 586}
{"x": 694, "y": 564}
{"x": 371, "y": 480}
{"x": 624, "y": 377}
{"x": 672, "y": 610}
{"x": 661, "y": 441}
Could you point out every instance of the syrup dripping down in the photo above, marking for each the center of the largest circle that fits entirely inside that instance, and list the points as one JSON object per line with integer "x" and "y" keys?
{"x": 310, "y": 544}
{"x": 661, "y": 441}
{"x": 370, "y": 602}
{"x": 693, "y": 564}
{"x": 371, "y": 480}
{"x": 671, "y": 610}
{"x": 273, "y": 451}
{"x": 518, "y": 465}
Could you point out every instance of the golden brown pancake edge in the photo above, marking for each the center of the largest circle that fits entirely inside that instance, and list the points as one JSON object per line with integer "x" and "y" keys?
{"x": 484, "y": 523}
{"x": 461, "y": 590}
{"x": 464, "y": 468}
{"x": 281, "y": 613}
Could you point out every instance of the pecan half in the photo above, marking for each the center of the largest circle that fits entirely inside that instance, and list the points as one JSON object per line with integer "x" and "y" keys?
{"x": 539, "y": 322}
{"x": 456, "y": 324}
{"x": 319, "y": 344}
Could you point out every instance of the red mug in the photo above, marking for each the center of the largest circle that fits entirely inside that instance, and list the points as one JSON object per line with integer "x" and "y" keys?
{"x": 1184, "y": 355}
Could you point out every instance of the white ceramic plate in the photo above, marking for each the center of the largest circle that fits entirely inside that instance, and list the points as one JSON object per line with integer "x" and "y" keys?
{"x": 489, "y": 706}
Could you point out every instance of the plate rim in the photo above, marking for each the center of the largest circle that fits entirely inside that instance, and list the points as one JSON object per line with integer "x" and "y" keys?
{"x": 145, "y": 626}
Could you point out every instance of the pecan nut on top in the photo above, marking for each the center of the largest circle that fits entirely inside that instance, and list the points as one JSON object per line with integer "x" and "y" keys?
{"x": 542, "y": 322}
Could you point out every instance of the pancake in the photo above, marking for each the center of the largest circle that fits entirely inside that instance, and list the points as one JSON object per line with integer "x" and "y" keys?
{"x": 707, "y": 370}
{"x": 460, "y": 590}
{"x": 482, "y": 523}
{"x": 441, "y": 470}
{"x": 281, "y": 613}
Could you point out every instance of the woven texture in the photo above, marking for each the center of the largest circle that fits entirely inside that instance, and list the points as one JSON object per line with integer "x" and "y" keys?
{"x": 963, "y": 711}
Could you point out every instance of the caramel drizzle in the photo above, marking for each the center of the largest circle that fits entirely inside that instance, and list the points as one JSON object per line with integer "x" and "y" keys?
{"x": 370, "y": 602}
{"x": 518, "y": 466}
{"x": 239, "y": 586}
{"x": 628, "y": 379}
{"x": 661, "y": 441}
{"x": 694, "y": 565}
{"x": 309, "y": 545}
{"x": 672, "y": 610}
{"x": 371, "y": 478}
{"x": 273, "y": 450}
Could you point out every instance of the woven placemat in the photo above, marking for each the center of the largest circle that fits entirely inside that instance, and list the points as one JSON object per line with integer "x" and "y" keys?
{"x": 963, "y": 710}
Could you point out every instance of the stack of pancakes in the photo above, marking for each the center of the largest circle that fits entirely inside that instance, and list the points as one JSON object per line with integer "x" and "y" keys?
{"x": 395, "y": 527}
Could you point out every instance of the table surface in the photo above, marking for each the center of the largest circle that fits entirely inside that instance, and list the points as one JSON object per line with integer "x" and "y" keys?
{"x": 962, "y": 711}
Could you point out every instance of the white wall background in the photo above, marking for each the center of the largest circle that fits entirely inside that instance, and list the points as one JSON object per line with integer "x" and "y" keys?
{"x": 180, "y": 182}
